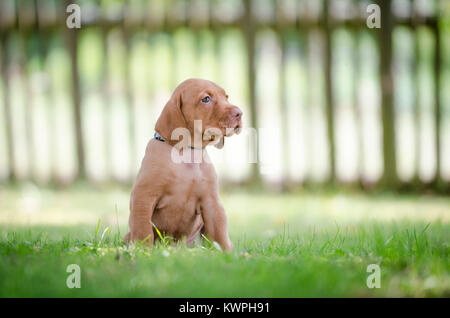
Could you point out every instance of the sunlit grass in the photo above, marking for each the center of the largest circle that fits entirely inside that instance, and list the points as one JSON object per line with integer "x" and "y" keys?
{"x": 285, "y": 245}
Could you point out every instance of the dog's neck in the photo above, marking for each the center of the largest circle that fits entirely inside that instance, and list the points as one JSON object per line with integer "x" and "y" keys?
{"x": 158, "y": 137}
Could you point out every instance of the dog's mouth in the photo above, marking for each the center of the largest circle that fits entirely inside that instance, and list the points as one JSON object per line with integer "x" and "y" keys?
{"x": 230, "y": 130}
{"x": 218, "y": 135}
{"x": 234, "y": 130}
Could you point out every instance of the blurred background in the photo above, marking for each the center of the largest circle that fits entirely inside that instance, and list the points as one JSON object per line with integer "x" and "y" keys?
{"x": 335, "y": 101}
{"x": 353, "y": 144}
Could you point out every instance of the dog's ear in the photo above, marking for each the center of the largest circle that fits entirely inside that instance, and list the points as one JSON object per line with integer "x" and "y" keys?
{"x": 171, "y": 117}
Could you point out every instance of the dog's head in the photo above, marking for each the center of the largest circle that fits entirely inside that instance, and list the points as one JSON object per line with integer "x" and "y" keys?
{"x": 200, "y": 100}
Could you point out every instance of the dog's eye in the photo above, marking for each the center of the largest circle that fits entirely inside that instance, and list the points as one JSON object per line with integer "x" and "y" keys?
{"x": 206, "y": 99}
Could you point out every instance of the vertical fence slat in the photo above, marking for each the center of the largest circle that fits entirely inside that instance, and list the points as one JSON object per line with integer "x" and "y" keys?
{"x": 106, "y": 105}
{"x": 72, "y": 46}
{"x": 360, "y": 160}
{"x": 44, "y": 43}
{"x": 7, "y": 108}
{"x": 217, "y": 37}
{"x": 250, "y": 39}
{"x": 29, "y": 105}
{"x": 308, "y": 105}
{"x": 387, "y": 103}
{"x": 284, "y": 110}
{"x": 131, "y": 124}
{"x": 283, "y": 42}
{"x": 417, "y": 89}
{"x": 329, "y": 96}
{"x": 437, "y": 99}
{"x": 43, "y": 38}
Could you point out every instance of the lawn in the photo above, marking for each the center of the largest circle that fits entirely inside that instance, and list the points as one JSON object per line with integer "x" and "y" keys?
{"x": 286, "y": 245}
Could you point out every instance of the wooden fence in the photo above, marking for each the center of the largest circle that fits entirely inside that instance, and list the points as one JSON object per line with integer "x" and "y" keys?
{"x": 31, "y": 26}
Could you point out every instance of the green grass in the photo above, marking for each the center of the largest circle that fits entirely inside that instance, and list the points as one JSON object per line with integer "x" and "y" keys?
{"x": 286, "y": 245}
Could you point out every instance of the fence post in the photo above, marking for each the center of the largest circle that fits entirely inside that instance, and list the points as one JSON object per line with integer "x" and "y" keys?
{"x": 416, "y": 107}
{"x": 329, "y": 97}
{"x": 284, "y": 109}
{"x": 357, "y": 107}
{"x": 7, "y": 108}
{"x": 437, "y": 103}
{"x": 106, "y": 103}
{"x": 389, "y": 178}
{"x": 129, "y": 94}
{"x": 29, "y": 106}
{"x": 72, "y": 47}
{"x": 250, "y": 37}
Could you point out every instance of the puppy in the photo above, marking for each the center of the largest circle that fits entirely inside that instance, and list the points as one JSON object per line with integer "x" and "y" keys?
{"x": 180, "y": 197}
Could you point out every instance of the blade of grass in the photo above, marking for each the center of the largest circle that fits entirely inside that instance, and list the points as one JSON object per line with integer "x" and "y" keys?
{"x": 157, "y": 231}
{"x": 103, "y": 235}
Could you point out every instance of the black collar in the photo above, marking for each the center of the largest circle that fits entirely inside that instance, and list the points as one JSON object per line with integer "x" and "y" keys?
{"x": 158, "y": 137}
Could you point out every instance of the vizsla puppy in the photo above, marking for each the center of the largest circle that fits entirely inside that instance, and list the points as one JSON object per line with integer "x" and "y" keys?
{"x": 181, "y": 197}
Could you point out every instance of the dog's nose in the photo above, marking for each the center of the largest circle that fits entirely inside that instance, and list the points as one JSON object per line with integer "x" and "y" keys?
{"x": 236, "y": 113}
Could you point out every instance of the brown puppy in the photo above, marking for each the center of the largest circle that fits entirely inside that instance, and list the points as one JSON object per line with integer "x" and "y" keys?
{"x": 181, "y": 198}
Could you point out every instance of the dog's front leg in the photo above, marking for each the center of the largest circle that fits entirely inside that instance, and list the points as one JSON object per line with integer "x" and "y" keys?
{"x": 215, "y": 220}
{"x": 142, "y": 207}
